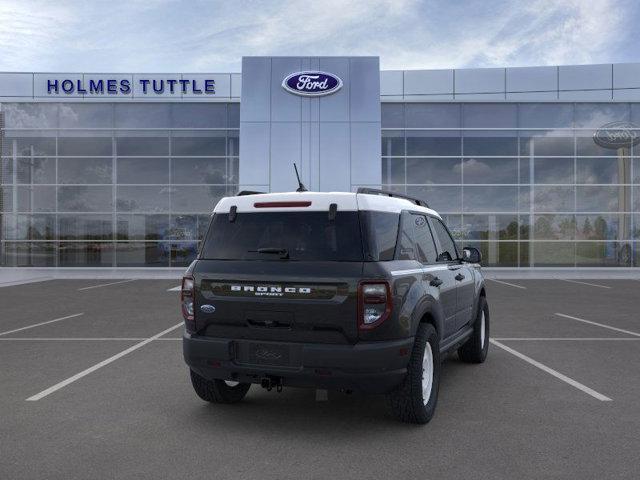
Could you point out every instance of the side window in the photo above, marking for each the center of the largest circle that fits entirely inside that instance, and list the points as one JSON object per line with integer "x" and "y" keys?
{"x": 406, "y": 242}
{"x": 447, "y": 251}
{"x": 381, "y": 232}
{"x": 424, "y": 240}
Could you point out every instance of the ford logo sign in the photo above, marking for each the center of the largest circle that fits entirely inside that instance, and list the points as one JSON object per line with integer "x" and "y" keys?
{"x": 207, "y": 308}
{"x": 312, "y": 83}
{"x": 617, "y": 135}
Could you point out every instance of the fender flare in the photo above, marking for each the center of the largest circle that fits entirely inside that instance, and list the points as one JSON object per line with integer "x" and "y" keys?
{"x": 432, "y": 308}
{"x": 476, "y": 301}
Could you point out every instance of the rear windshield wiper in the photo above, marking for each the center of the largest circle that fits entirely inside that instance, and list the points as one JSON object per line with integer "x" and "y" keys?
{"x": 283, "y": 252}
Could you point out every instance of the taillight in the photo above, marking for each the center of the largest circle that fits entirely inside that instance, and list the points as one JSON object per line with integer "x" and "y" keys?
{"x": 186, "y": 298}
{"x": 374, "y": 304}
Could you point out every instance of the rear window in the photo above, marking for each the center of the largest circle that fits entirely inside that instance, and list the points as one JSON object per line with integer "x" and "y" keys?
{"x": 308, "y": 236}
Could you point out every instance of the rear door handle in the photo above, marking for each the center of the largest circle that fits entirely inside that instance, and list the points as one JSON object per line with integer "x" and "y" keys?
{"x": 459, "y": 277}
{"x": 436, "y": 282}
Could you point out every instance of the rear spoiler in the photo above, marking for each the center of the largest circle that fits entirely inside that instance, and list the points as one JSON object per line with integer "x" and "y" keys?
{"x": 242, "y": 193}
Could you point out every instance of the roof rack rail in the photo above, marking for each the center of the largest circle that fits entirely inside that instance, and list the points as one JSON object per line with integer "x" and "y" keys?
{"x": 375, "y": 191}
{"x": 242, "y": 193}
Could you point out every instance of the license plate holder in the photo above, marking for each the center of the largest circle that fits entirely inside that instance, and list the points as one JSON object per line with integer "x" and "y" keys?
{"x": 269, "y": 354}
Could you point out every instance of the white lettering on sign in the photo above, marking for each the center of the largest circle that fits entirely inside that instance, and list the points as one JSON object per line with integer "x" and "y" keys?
{"x": 270, "y": 290}
{"x": 310, "y": 82}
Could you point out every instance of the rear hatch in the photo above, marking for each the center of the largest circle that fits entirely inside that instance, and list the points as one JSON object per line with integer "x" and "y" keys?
{"x": 264, "y": 300}
{"x": 288, "y": 276}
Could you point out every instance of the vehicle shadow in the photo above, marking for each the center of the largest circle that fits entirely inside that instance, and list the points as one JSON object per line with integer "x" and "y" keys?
{"x": 298, "y": 409}
{"x": 294, "y": 408}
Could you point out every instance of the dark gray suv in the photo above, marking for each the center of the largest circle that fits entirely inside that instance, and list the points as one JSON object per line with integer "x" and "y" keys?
{"x": 357, "y": 291}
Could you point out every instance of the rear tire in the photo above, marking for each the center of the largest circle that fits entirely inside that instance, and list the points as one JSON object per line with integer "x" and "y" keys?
{"x": 414, "y": 401}
{"x": 476, "y": 348}
{"x": 218, "y": 391}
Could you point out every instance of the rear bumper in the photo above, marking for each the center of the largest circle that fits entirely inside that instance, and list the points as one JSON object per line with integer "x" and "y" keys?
{"x": 368, "y": 367}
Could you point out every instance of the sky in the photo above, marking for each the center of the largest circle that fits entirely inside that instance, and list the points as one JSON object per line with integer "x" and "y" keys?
{"x": 212, "y": 36}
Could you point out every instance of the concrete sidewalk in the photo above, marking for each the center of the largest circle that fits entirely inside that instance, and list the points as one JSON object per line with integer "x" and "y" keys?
{"x": 564, "y": 273}
{"x": 16, "y": 276}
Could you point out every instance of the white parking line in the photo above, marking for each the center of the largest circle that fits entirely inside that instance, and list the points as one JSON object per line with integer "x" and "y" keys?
{"x": 629, "y": 332}
{"x": 173, "y": 339}
{"x": 70, "y": 339}
{"x": 560, "y": 339}
{"x": 41, "y": 323}
{"x": 553, "y": 372}
{"x": 175, "y": 289}
{"x": 507, "y": 283}
{"x": 97, "y": 339}
{"x": 584, "y": 283}
{"x": 97, "y": 366}
{"x": 106, "y": 284}
{"x": 25, "y": 281}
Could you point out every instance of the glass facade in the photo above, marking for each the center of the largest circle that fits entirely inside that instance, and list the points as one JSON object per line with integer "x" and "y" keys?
{"x": 112, "y": 184}
{"x": 108, "y": 184}
{"x": 524, "y": 182}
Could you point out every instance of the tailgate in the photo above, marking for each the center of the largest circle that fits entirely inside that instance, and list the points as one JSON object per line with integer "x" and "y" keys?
{"x": 287, "y": 301}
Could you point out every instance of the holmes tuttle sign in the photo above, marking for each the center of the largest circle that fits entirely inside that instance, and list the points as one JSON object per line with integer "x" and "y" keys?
{"x": 110, "y": 86}
{"x": 312, "y": 83}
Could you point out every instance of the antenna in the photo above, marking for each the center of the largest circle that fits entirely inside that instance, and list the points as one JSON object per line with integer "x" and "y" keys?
{"x": 301, "y": 187}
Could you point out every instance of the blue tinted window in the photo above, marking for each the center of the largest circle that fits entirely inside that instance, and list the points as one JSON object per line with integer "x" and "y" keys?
{"x": 545, "y": 115}
{"x": 488, "y": 115}
{"x": 432, "y": 115}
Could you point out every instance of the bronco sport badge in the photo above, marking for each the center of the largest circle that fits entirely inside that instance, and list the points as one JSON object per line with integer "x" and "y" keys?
{"x": 269, "y": 291}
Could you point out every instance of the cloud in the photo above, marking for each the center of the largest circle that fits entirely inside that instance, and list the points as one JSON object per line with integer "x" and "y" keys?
{"x": 572, "y": 31}
{"x": 533, "y": 32}
{"x": 27, "y": 31}
{"x": 474, "y": 167}
{"x": 167, "y": 36}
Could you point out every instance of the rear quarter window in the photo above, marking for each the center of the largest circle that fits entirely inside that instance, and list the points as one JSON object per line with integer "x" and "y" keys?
{"x": 380, "y": 229}
{"x": 406, "y": 238}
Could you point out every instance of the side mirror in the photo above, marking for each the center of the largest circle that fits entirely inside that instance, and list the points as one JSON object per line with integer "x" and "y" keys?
{"x": 471, "y": 255}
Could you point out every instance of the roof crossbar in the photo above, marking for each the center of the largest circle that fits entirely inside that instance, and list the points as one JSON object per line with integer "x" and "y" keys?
{"x": 375, "y": 191}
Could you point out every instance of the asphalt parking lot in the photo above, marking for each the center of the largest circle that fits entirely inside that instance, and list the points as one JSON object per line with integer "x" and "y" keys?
{"x": 93, "y": 385}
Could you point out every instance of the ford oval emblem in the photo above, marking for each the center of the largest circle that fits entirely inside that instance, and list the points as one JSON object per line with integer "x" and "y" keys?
{"x": 207, "y": 308}
{"x": 312, "y": 83}
{"x": 616, "y": 135}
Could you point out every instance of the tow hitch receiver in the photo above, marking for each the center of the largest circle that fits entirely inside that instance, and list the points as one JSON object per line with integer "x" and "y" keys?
{"x": 270, "y": 382}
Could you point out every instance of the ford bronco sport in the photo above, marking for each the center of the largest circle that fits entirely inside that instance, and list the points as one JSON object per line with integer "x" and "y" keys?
{"x": 361, "y": 291}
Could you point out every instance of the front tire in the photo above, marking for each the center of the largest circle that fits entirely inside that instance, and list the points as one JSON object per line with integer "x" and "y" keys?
{"x": 218, "y": 391}
{"x": 414, "y": 401}
{"x": 476, "y": 348}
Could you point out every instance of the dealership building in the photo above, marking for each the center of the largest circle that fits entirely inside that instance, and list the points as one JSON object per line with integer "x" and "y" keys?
{"x": 535, "y": 166}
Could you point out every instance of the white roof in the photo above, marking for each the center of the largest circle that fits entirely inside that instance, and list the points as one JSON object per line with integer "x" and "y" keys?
{"x": 319, "y": 201}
